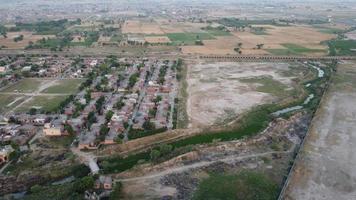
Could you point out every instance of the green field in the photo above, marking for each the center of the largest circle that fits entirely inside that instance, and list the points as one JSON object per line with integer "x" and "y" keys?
{"x": 66, "y": 86}
{"x": 280, "y": 52}
{"x": 342, "y": 47}
{"x": 294, "y": 49}
{"x": 24, "y": 85}
{"x": 45, "y": 103}
{"x": 300, "y": 49}
{"x": 188, "y": 38}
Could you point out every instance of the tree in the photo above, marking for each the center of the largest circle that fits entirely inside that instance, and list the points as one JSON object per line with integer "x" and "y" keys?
{"x": 33, "y": 111}
{"x": 99, "y": 103}
{"x": 259, "y": 46}
{"x": 91, "y": 119}
{"x": 109, "y": 115}
{"x": 83, "y": 184}
{"x": 157, "y": 99}
{"x": 155, "y": 154}
{"x": 69, "y": 129}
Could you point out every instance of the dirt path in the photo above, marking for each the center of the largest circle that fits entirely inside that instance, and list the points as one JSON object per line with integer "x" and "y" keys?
{"x": 87, "y": 158}
{"x": 201, "y": 164}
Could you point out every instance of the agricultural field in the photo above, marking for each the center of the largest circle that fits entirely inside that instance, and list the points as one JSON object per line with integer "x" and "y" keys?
{"x": 342, "y": 47}
{"x": 141, "y": 27}
{"x": 276, "y": 40}
{"x": 9, "y": 43}
{"x": 289, "y": 39}
{"x": 45, "y": 94}
{"x": 188, "y": 38}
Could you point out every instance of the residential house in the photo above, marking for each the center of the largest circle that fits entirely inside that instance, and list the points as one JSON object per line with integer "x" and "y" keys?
{"x": 5, "y": 154}
{"x": 104, "y": 182}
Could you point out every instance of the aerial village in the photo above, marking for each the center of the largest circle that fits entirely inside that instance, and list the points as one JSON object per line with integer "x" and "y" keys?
{"x": 113, "y": 100}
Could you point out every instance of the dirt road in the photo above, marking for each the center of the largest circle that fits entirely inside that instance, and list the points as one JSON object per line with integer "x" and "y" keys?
{"x": 180, "y": 169}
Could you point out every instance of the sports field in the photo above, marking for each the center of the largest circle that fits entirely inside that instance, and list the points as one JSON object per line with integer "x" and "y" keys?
{"x": 43, "y": 94}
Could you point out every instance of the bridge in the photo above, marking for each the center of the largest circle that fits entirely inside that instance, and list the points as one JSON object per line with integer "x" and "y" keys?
{"x": 275, "y": 58}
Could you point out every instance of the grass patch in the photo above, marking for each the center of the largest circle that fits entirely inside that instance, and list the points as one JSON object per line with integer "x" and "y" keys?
{"x": 267, "y": 85}
{"x": 188, "y": 38}
{"x": 218, "y": 32}
{"x": 55, "y": 192}
{"x": 118, "y": 164}
{"x": 28, "y": 85}
{"x": 6, "y": 99}
{"x": 300, "y": 49}
{"x": 246, "y": 185}
{"x": 45, "y": 103}
{"x": 67, "y": 86}
{"x": 281, "y": 52}
{"x": 116, "y": 38}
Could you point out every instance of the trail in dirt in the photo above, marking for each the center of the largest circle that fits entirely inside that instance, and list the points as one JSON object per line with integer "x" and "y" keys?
{"x": 200, "y": 164}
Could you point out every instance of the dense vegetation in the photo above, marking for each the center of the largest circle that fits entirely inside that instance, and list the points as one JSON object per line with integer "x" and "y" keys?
{"x": 45, "y": 27}
{"x": 235, "y": 22}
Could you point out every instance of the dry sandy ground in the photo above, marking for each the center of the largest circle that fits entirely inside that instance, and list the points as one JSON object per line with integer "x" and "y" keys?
{"x": 215, "y": 91}
{"x": 326, "y": 166}
{"x": 157, "y": 39}
{"x": 28, "y": 36}
{"x": 160, "y": 26}
{"x": 301, "y": 35}
{"x": 132, "y": 26}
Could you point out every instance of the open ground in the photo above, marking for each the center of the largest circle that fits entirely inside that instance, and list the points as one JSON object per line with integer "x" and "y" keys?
{"x": 222, "y": 91}
{"x": 325, "y": 168}
{"x": 9, "y": 42}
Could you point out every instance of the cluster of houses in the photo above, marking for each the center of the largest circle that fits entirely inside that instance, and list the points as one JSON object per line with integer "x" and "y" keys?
{"x": 142, "y": 92}
{"x": 130, "y": 105}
